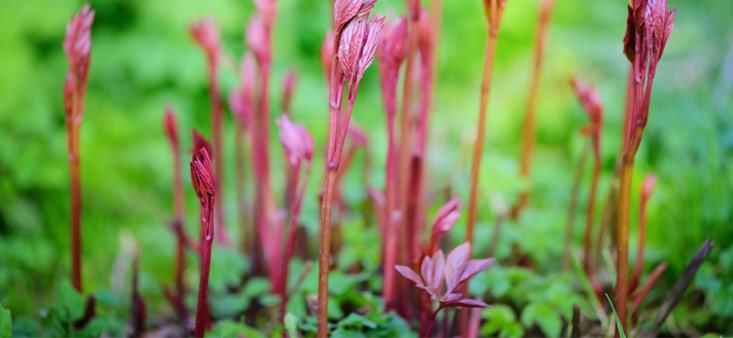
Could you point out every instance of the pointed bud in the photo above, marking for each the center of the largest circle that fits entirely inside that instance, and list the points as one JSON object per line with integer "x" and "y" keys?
{"x": 589, "y": 98}
{"x": 206, "y": 35}
{"x": 288, "y": 87}
{"x": 78, "y": 42}
{"x": 648, "y": 187}
{"x": 444, "y": 221}
{"x": 257, "y": 39}
{"x": 200, "y": 142}
{"x": 350, "y": 46}
{"x": 204, "y": 183}
{"x": 296, "y": 140}
{"x": 240, "y": 100}
{"x": 374, "y": 31}
{"x": 170, "y": 125}
{"x": 267, "y": 10}
{"x": 77, "y": 46}
{"x": 327, "y": 53}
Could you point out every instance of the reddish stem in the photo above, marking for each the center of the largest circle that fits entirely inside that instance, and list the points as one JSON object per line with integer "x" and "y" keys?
{"x": 587, "y": 264}
{"x": 75, "y": 213}
{"x": 295, "y": 212}
{"x": 478, "y": 148}
{"x": 528, "y": 132}
{"x": 202, "y": 309}
{"x": 639, "y": 298}
{"x": 573, "y": 204}
{"x": 215, "y": 100}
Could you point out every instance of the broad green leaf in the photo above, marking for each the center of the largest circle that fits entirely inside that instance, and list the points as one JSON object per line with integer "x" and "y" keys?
{"x": 5, "y": 322}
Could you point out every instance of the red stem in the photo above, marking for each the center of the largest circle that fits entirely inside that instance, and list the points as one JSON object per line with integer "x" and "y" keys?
{"x": 202, "y": 309}
{"x": 590, "y": 213}
{"x": 647, "y": 286}
{"x": 295, "y": 212}
{"x": 528, "y": 132}
{"x": 215, "y": 100}
{"x": 75, "y": 215}
{"x": 573, "y": 204}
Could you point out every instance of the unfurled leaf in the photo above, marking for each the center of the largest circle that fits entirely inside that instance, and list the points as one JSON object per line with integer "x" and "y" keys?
{"x": 374, "y": 31}
{"x": 343, "y": 11}
{"x": 473, "y": 267}
{"x": 409, "y": 274}
{"x": 457, "y": 259}
{"x": 468, "y": 303}
{"x": 350, "y": 46}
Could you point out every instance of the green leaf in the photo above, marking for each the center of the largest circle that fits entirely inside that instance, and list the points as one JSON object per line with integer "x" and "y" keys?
{"x": 618, "y": 321}
{"x": 501, "y": 321}
{"x": 343, "y": 332}
{"x": 545, "y": 316}
{"x": 70, "y": 304}
{"x": 5, "y": 322}
{"x": 291, "y": 324}
{"x": 355, "y": 320}
{"x": 228, "y": 328}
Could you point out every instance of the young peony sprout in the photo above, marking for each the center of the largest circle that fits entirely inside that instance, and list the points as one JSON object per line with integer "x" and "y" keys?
{"x": 77, "y": 46}
{"x": 298, "y": 146}
{"x": 648, "y": 28}
{"x": 456, "y": 270}
{"x": 591, "y": 102}
{"x": 206, "y": 35}
{"x": 355, "y": 42}
{"x": 203, "y": 180}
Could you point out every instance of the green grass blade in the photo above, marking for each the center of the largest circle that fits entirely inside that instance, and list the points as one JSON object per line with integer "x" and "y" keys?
{"x": 618, "y": 321}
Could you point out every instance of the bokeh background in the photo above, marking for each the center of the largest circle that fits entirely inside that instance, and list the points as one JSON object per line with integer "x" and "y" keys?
{"x": 143, "y": 58}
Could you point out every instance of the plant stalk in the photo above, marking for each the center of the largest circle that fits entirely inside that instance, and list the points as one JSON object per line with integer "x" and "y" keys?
{"x": 589, "y": 216}
{"x": 202, "y": 308}
{"x": 478, "y": 147}
{"x": 573, "y": 204}
{"x": 622, "y": 244}
{"x": 529, "y": 130}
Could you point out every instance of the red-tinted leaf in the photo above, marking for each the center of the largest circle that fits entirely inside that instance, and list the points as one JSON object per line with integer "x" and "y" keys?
{"x": 350, "y": 46}
{"x": 343, "y": 11}
{"x": 200, "y": 142}
{"x": 409, "y": 274}
{"x": 630, "y": 37}
{"x": 292, "y": 140}
{"x": 327, "y": 53}
{"x": 473, "y": 267}
{"x": 445, "y": 219}
{"x": 374, "y": 31}
{"x": 452, "y": 297}
{"x": 455, "y": 263}
{"x": 206, "y": 35}
{"x": 266, "y": 9}
{"x": 426, "y": 270}
{"x": 436, "y": 281}
{"x": 366, "y": 7}
{"x": 171, "y": 126}
{"x": 256, "y": 37}
{"x": 467, "y": 303}
{"x": 648, "y": 187}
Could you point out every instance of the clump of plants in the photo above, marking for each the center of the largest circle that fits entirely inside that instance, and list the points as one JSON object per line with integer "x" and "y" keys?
{"x": 363, "y": 249}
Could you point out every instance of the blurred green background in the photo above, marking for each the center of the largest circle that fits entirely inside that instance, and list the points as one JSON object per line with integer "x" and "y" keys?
{"x": 143, "y": 57}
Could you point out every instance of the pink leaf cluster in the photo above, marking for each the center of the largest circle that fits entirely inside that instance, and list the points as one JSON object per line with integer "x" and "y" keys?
{"x": 454, "y": 271}
{"x": 77, "y": 46}
{"x": 206, "y": 35}
{"x": 296, "y": 141}
{"x": 444, "y": 221}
